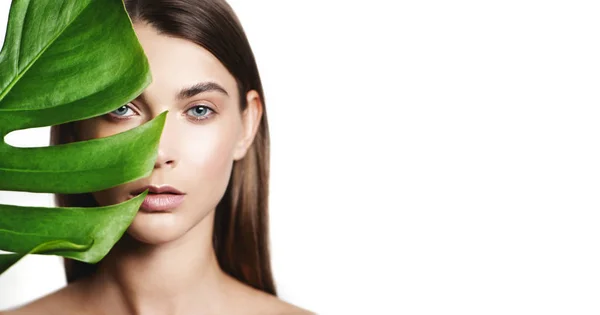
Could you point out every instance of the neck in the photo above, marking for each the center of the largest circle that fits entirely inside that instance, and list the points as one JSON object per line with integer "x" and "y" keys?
{"x": 169, "y": 278}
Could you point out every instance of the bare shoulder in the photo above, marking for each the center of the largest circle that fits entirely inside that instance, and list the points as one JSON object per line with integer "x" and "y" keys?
{"x": 269, "y": 304}
{"x": 280, "y": 307}
{"x": 62, "y": 301}
{"x": 253, "y": 301}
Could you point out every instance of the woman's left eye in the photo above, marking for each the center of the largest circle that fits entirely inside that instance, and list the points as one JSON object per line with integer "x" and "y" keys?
{"x": 200, "y": 112}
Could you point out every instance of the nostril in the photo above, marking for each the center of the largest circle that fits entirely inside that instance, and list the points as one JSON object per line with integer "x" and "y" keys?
{"x": 163, "y": 163}
{"x": 170, "y": 162}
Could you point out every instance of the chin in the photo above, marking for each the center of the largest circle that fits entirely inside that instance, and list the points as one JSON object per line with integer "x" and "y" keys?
{"x": 156, "y": 228}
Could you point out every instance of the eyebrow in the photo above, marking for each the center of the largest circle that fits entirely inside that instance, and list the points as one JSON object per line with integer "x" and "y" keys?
{"x": 200, "y": 88}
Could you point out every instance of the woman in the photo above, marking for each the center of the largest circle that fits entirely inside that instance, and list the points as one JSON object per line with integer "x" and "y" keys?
{"x": 199, "y": 244}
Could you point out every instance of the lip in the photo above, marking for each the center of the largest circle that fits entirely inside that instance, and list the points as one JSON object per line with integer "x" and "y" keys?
{"x": 161, "y": 202}
{"x": 159, "y": 198}
{"x": 158, "y": 190}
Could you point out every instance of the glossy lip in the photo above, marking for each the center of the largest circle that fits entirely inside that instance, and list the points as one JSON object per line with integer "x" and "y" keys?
{"x": 159, "y": 198}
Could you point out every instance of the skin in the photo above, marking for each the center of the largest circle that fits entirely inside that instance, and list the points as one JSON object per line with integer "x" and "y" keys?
{"x": 165, "y": 263}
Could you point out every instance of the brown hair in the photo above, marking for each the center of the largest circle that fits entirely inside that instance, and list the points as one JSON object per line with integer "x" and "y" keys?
{"x": 240, "y": 236}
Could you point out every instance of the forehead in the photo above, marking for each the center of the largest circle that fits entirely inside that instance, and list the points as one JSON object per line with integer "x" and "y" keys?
{"x": 176, "y": 63}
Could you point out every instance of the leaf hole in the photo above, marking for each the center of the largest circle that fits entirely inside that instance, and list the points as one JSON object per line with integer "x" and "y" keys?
{"x": 29, "y": 138}
{"x": 26, "y": 199}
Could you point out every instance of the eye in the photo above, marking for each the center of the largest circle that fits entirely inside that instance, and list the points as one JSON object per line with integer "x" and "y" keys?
{"x": 200, "y": 112}
{"x": 121, "y": 111}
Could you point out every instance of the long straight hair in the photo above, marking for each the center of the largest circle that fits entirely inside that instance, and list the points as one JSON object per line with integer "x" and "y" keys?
{"x": 240, "y": 235}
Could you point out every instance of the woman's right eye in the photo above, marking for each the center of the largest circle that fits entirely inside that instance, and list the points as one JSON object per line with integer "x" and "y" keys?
{"x": 121, "y": 111}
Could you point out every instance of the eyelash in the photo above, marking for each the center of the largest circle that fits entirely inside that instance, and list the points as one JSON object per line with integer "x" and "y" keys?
{"x": 194, "y": 118}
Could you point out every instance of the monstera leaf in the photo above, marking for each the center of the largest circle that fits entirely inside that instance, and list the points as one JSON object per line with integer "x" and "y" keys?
{"x": 63, "y": 61}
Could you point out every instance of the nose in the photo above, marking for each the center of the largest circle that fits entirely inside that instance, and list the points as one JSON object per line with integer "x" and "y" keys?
{"x": 164, "y": 159}
{"x": 166, "y": 148}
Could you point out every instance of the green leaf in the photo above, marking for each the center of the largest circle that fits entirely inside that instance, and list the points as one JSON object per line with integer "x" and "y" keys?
{"x": 85, "y": 236}
{"x": 8, "y": 260}
{"x": 65, "y": 61}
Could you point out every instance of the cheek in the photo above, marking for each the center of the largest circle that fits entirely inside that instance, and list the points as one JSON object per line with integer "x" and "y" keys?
{"x": 100, "y": 127}
{"x": 89, "y": 129}
{"x": 207, "y": 157}
{"x": 107, "y": 197}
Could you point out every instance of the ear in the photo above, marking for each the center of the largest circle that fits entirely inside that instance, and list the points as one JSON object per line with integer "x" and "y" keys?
{"x": 250, "y": 121}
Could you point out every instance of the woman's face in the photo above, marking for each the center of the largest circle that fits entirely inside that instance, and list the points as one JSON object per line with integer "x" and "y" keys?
{"x": 203, "y": 134}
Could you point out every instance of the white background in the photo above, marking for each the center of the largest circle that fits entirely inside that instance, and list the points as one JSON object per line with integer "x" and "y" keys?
{"x": 428, "y": 157}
